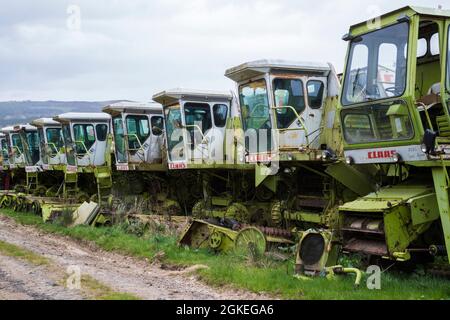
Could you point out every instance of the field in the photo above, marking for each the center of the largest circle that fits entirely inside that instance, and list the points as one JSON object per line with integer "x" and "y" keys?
{"x": 265, "y": 278}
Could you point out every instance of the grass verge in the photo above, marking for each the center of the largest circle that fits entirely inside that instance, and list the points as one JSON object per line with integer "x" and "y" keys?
{"x": 225, "y": 270}
{"x": 14, "y": 251}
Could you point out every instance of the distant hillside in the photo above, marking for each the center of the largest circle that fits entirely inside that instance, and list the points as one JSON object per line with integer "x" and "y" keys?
{"x": 15, "y": 112}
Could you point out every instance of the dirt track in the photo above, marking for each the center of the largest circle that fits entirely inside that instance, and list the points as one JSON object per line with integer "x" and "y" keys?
{"x": 22, "y": 280}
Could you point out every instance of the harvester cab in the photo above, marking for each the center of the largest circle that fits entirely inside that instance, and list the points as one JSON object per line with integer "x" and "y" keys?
{"x": 204, "y": 142}
{"x": 283, "y": 104}
{"x": 51, "y": 143}
{"x": 30, "y": 145}
{"x": 138, "y": 135}
{"x": 196, "y": 126}
{"x": 31, "y": 153}
{"x": 15, "y": 147}
{"x": 394, "y": 112}
{"x": 292, "y": 136}
{"x": 4, "y": 162}
{"x": 4, "y": 154}
{"x": 87, "y": 143}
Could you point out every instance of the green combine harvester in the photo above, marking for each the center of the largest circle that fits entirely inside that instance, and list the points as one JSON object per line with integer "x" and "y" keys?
{"x": 394, "y": 113}
{"x": 141, "y": 177}
{"x": 296, "y": 159}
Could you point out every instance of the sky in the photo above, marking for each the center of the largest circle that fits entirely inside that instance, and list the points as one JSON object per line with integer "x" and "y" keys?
{"x": 131, "y": 49}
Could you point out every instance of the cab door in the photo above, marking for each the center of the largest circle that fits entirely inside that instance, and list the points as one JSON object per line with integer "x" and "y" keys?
{"x": 288, "y": 96}
{"x": 120, "y": 148}
{"x": 205, "y": 130}
{"x": 154, "y": 154}
{"x": 315, "y": 93}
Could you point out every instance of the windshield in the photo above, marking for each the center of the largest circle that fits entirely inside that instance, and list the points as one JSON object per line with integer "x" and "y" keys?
{"x": 255, "y": 110}
{"x": 288, "y": 92}
{"x": 255, "y": 105}
{"x": 17, "y": 143}
{"x": 33, "y": 146}
{"x": 174, "y": 132}
{"x": 70, "y": 152}
{"x": 376, "y": 67}
{"x": 4, "y": 146}
{"x": 377, "y": 122}
{"x": 119, "y": 140}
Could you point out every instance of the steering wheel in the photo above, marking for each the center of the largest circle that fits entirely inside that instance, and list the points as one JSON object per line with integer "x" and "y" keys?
{"x": 258, "y": 106}
{"x": 393, "y": 90}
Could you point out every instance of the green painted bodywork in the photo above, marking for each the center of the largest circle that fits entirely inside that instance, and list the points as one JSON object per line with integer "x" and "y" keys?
{"x": 410, "y": 205}
{"x": 406, "y": 211}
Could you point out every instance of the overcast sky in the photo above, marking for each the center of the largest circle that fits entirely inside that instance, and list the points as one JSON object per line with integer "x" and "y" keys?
{"x": 131, "y": 49}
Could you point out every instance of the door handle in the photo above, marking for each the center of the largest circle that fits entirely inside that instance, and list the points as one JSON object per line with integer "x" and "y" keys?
{"x": 311, "y": 115}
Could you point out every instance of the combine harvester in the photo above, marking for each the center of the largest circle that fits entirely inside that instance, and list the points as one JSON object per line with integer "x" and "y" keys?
{"x": 394, "y": 113}
{"x": 4, "y": 163}
{"x": 15, "y": 159}
{"x": 141, "y": 166}
{"x": 284, "y": 158}
{"x": 204, "y": 139}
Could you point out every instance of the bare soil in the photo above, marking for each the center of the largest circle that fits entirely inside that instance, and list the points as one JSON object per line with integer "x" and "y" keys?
{"x": 22, "y": 280}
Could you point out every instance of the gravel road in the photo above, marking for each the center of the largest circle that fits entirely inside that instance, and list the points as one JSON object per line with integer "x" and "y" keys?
{"x": 22, "y": 280}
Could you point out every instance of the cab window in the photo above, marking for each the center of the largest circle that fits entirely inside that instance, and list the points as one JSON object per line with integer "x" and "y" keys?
{"x": 84, "y": 137}
{"x": 102, "y": 131}
{"x": 220, "y": 115}
{"x": 157, "y": 125}
{"x": 315, "y": 93}
{"x": 288, "y": 93}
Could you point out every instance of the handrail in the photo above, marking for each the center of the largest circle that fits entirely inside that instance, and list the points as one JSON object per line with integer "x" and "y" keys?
{"x": 51, "y": 144}
{"x": 17, "y": 148}
{"x": 85, "y": 148}
{"x": 424, "y": 106}
{"x": 141, "y": 147}
{"x": 137, "y": 139}
{"x": 199, "y": 129}
{"x": 303, "y": 128}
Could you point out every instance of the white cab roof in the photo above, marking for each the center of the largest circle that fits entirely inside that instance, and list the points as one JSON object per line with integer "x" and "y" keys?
{"x": 133, "y": 107}
{"x": 7, "y": 129}
{"x": 82, "y": 116}
{"x": 171, "y": 96}
{"x": 252, "y": 69}
{"x": 42, "y": 122}
{"x": 27, "y": 127}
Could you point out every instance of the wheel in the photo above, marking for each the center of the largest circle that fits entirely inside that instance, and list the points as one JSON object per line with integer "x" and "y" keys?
{"x": 250, "y": 242}
{"x": 239, "y": 212}
{"x": 198, "y": 209}
{"x": 215, "y": 239}
{"x": 276, "y": 214}
{"x": 36, "y": 208}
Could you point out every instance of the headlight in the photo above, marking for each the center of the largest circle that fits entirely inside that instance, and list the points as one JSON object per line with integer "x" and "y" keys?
{"x": 397, "y": 157}
{"x": 325, "y": 155}
{"x": 423, "y": 147}
{"x": 349, "y": 160}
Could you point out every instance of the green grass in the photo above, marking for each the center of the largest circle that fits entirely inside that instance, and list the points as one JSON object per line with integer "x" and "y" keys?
{"x": 228, "y": 270}
{"x": 14, "y": 251}
{"x": 100, "y": 291}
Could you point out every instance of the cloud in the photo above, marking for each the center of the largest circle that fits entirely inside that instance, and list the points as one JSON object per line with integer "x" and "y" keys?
{"x": 130, "y": 49}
